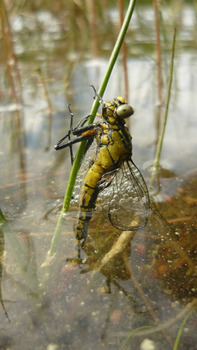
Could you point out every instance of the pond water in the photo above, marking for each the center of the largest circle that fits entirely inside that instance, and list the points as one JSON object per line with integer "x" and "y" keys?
{"x": 138, "y": 297}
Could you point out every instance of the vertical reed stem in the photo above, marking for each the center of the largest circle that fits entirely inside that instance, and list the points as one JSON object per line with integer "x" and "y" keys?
{"x": 158, "y": 52}
{"x": 163, "y": 127}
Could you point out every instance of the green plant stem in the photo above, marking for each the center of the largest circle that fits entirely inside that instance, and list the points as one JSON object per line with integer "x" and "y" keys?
{"x": 161, "y": 136}
{"x": 2, "y": 217}
{"x": 175, "y": 347}
{"x": 80, "y": 151}
{"x": 18, "y": 251}
{"x": 133, "y": 332}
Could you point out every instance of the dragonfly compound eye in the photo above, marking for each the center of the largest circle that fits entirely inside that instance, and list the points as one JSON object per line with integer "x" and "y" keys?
{"x": 124, "y": 111}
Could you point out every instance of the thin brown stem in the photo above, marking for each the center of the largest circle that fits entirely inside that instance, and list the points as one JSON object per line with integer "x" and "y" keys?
{"x": 158, "y": 51}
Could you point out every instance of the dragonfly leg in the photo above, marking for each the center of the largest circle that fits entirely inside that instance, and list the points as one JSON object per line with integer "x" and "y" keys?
{"x": 97, "y": 95}
{"x": 69, "y": 133}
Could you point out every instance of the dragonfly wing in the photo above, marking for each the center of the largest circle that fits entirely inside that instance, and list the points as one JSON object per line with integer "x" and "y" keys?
{"x": 128, "y": 203}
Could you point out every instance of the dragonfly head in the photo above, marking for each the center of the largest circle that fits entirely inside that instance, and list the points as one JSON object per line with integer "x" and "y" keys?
{"x": 123, "y": 110}
{"x": 117, "y": 109}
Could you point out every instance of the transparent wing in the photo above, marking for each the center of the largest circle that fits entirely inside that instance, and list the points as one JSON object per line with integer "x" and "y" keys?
{"x": 126, "y": 198}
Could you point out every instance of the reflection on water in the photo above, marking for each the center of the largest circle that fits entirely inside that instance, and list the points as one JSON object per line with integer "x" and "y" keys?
{"x": 151, "y": 277}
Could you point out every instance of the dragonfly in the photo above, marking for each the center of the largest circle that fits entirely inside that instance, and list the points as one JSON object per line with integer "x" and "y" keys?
{"x": 112, "y": 174}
